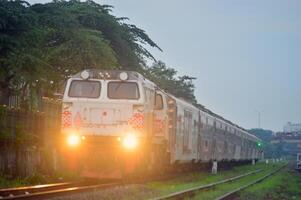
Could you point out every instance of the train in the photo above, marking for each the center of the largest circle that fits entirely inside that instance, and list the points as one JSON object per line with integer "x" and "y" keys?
{"x": 117, "y": 123}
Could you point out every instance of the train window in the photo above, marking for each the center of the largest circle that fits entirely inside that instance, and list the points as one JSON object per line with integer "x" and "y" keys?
{"x": 200, "y": 122}
{"x": 123, "y": 90}
{"x": 195, "y": 123}
{"x": 159, "y": 102}
{"x": 84, "y": 89}
{"x": 206, "y": 145}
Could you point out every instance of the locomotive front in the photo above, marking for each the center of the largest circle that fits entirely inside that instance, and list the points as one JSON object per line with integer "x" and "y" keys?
{"x": 104, "y": 123}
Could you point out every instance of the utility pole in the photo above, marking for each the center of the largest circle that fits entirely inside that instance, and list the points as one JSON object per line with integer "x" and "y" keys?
{"x": 259, "y": 116}
{"x": 258, "y": 119}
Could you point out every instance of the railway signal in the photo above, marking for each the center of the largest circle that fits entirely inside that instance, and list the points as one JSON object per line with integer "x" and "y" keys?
{"x": 259, "y": 144}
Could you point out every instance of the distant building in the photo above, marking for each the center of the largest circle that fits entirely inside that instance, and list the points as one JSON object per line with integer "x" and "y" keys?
{"x": 290, "y": 127}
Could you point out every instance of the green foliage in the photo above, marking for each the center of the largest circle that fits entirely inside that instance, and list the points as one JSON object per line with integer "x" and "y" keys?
{"x": 33, "y": 179}
{"x": 45, "y": 43}
{"x": 196, "y": 179}
{"x": 264, "y": 135}
{"x": 270, "y": 150}
{"x": 166, "y": 78}
{"x": 13, "y": 130}
{"x": 36, "y": 179}
{"x": 283, "y": 185}
{"x": 8, "y": 183}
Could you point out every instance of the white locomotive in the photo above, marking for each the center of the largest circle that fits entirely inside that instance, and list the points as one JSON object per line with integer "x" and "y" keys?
{"x": 118, "y": 122}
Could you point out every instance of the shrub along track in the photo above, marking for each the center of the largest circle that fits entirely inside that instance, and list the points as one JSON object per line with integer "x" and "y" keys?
{"x": 189, "y": 193}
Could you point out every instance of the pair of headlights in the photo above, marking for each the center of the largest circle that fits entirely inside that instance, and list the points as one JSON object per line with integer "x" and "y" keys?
{"x": 129, "y": 141}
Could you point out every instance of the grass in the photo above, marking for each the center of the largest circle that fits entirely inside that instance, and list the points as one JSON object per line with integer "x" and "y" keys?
{"x": 283, "y": 185}
{"x": 5, "y": 183}
{"x": 160, "y": 188}
{"x": 182, "y": 182}
{"x": 224, "y": 188}
{"x": 36, "y": 179}
{"x": 196, "y": 179}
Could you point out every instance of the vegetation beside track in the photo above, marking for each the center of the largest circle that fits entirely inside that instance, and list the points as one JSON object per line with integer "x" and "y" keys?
{"x": 37, "y": 179}
{"x": 161, "y": 188}
{"x": 271, "y": 188}
{"x": 219, "y": 190}
{"x": 283, "y": 185}
{"x": 197, "y": 179}
{"x": 6, "y": 183}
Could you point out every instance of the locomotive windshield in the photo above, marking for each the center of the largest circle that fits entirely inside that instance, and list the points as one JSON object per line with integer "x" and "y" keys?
{"x": 123, "y": 90}
{"x": 84, "y": 89}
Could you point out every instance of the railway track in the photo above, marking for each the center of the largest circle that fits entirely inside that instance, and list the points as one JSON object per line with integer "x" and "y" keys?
{"x": 69, "y": 188}
{"x": 192, "y": 191}
{"x": 53, "y": 190}
{"x": 232, "y": 193}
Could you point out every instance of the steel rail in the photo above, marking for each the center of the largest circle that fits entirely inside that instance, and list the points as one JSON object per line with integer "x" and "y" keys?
{"x": 231, "y": 193}
{"x": 59, "y": 192}
{"x": 191, "y": 191}
{"x": 57, "y": 189}
{"x": 34, "y": 188}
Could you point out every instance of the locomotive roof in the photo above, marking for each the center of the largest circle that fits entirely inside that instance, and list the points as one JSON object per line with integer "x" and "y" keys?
{"x": 109, "y": 74}
{"x": 113, "y": 75}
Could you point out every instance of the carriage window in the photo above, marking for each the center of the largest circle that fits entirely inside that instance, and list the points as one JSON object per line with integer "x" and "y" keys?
{"x": 123, "y": 90}
{"x": 206, "y": 144}
{"x": 159, "y": 102}
{"x": 84, "y": 89}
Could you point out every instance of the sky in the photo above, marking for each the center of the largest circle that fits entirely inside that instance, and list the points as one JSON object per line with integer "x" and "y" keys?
{"x": 245, "y": 54}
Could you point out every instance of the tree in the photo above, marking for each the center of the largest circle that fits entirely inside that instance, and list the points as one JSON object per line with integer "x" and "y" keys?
{"x": 45, "y": 43}
{"x": 271, "y": 150}
{"x": 15, "y": 21}
{"x": 167, "y": 79}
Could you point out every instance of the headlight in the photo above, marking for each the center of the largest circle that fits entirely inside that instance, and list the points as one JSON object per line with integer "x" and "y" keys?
{"x": 73, "y": 140}
{"x": 130, "y": 141}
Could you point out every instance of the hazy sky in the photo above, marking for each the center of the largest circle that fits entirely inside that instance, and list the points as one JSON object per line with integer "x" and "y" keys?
{"x": 246, "y": 55}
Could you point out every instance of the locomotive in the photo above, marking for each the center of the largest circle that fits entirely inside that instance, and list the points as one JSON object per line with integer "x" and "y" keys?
{"x": 118, "y": 123}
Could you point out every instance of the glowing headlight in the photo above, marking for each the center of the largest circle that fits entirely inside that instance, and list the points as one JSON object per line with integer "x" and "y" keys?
{"x": 130, "y": 141}
{"x": 73, "y": 140}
